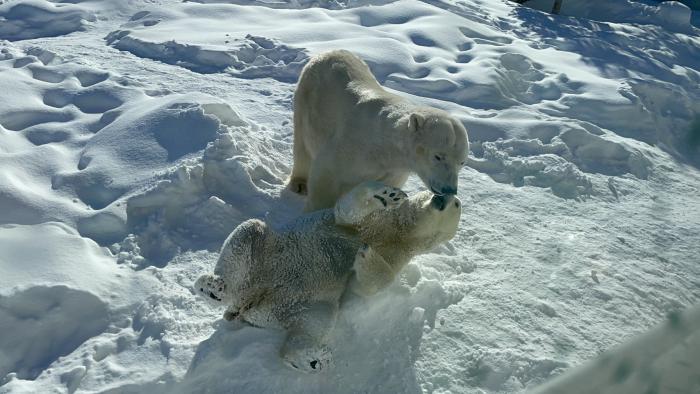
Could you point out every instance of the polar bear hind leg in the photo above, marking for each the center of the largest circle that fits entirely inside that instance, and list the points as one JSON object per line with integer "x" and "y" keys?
{"x": 304, "y": 348}
{"x": 298, "y": 181}
{"x": 323, "y": 186}
{"x": 364, "y": 199}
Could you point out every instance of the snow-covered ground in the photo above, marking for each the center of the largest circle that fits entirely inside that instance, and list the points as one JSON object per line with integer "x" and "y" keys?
{"x": 134, "y": 136}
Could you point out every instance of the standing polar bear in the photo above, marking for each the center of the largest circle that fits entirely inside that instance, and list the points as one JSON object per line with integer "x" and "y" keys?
{"x": 348, "y": 129}
{"x": 294, "y": 278}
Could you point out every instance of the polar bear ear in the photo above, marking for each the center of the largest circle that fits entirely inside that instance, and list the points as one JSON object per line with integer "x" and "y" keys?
{"x": 415, "y": 122}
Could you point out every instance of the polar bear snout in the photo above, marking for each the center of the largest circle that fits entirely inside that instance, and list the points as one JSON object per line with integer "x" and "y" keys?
{"x": 442, "y": 179}
{"x": 444, "y": 190}
{"x": 442, "y": 201}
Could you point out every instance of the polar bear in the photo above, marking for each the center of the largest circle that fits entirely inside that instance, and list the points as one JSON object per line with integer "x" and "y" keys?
{"x": 293, "y": 279}
{"x": 348, "y": 129}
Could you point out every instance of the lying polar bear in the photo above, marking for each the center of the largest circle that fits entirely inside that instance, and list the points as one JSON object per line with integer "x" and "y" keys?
{"x": 348, "y": 129}
{"x": 293, "y": 279}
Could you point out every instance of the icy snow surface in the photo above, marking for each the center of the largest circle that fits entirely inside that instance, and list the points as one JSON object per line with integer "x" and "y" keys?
{"x": 134, "y": 136}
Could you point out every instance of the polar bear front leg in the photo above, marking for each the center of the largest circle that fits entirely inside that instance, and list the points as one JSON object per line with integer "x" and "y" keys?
{"x": 372, "y": 272}
{"x": 365, "y": 198}
{"x": 304, "y": 349}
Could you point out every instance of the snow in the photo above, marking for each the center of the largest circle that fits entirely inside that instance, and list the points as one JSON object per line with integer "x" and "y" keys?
{"x": 41, "y": 18}
{"x": 134, "y": 136}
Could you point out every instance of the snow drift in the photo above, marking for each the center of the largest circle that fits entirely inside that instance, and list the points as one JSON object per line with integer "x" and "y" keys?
{"x": 41, "y": 18}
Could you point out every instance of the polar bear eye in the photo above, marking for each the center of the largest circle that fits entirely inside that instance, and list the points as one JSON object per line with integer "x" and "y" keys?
{"x": 438, "y": 158}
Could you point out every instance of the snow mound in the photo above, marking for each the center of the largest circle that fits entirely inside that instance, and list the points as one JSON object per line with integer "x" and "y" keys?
{"x": 56, "y": 306}
{"x": 28, "y": 19}
{"x": 198, "y": 204}
{"x": 147, "y": 136}
{"x": 118, "y": 139}
{"x": 650, "y": 73}
{"x": 57, "y": 103}
{"x": 542, "y": 170}
{"x": 298, "y": 4}
{"x": 54, "y": 322}
{"x": 402, "y": 29}
{"x": 562, "y": 163}
{"x": 76, "y": 262}
{"x": 247, "y": 57}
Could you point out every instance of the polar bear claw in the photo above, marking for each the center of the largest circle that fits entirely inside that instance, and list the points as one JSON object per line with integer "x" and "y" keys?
{"x": 390, "y": 197}
{"x": 365, "y": 199}
{"x": 211, "y": 287}
{"x": 310, "y": 360}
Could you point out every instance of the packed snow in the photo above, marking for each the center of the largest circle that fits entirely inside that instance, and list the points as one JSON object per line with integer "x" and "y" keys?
{"x": 134, "y": 136}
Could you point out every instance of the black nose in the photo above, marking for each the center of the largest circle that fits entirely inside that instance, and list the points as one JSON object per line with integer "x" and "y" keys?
{"x": 440, "y": 201}
{"x": 449, "y": 190}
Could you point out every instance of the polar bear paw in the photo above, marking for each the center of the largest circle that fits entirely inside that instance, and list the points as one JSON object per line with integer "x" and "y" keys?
{"x": 211, "y": 287}
{"x": 365, "y": 199}
{"x": 389, "y": 197}
{"x": 310, "y": 360}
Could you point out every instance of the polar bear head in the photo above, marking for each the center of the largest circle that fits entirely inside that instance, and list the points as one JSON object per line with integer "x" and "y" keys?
{"x": 440, "y": 147}
{"x": 419, "y": 224}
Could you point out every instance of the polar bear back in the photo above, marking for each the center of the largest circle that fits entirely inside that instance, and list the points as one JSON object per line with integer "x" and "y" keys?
{"x": 331, "y": 84}
{"x": 308, "y": 260}
{"x": 313, "y": 253}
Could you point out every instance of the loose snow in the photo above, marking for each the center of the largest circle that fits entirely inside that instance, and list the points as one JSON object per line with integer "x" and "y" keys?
{"x": 134, "y": 136}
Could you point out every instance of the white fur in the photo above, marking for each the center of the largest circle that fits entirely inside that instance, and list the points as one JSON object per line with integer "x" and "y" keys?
{"x": 348, "y": 129}
{"x": 294, "y": 278}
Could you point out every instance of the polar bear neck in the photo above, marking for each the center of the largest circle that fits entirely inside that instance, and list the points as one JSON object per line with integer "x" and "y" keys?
{"x": 395, "y": 116}
{"x": 390, "y": 236}
{"x": 393, "y": 234}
